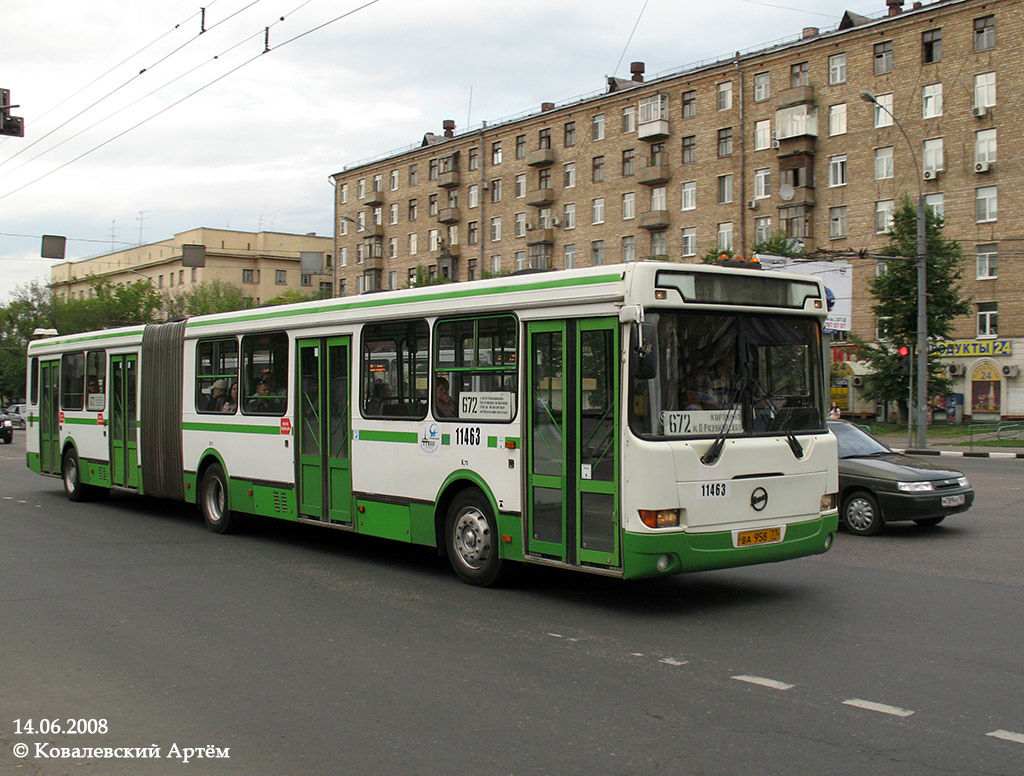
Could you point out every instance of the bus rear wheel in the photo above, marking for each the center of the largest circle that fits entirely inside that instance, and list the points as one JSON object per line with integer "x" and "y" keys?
{"x": 215, "y": 503}
{"x": 471, "y": 540}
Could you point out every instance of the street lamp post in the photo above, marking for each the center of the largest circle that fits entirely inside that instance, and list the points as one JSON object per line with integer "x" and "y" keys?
{"x": 922, "y": 286}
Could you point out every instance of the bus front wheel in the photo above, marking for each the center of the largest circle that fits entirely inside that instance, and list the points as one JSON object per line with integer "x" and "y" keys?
{"x": 214, "y": 501}
{"x": 471, "y": 540}
{"x": 71, "y": 474}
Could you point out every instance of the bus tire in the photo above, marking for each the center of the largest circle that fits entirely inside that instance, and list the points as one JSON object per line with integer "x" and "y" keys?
{"x": 215, "y": 502}
{"x": 471, "y": 540}
{"x": 71, "y": 474}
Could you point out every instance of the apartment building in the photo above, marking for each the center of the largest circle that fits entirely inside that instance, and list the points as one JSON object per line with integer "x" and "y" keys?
{"x": 816, "y": 137}
{"x": 263, "y": 264}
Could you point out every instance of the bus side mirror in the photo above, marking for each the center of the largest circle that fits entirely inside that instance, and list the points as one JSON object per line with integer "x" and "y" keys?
{"x": 643, "y": 355}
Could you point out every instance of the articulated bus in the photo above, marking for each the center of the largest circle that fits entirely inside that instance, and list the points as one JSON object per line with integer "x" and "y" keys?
{"x": 635, "y": 420}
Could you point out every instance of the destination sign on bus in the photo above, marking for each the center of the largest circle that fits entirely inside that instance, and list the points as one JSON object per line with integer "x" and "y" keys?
{"x": 485, "y": 405}
{"x": 701, "y": 422}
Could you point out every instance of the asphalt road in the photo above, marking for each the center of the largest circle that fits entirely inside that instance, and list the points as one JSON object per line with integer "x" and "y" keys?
{"x": 306, "y": 651}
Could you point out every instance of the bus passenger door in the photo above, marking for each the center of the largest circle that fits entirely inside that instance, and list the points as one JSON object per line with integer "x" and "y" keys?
{"x": 324, "y": 467}
{"x": 124, "y": 470}
{"x": 573, "y": 441}
{"x": 49, "y": 417}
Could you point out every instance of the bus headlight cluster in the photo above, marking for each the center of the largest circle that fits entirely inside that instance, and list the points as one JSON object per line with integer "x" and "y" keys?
{"x": 828, "y": 502}
{"x": 660, "y": 518}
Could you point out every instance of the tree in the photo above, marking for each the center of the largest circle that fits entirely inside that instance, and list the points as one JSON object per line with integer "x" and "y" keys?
{"x": 895, "y": 290}
{"x": 30, "y": 308}
{"x": 108, "y": 307}
{"x": 289, "y": 296}
{"x": 779, "y": 244}
{"x": 210, "y": 296}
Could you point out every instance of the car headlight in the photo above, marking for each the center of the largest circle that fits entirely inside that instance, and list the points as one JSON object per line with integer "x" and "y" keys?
{"x": 962, "y": 482}
{"x": 915, "y": 487}
{"x": 7, "y": 423}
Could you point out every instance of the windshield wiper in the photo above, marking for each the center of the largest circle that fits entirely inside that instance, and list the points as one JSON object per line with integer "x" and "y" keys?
{"x": 762, "y": 395}
{"x": 715, "y": 451}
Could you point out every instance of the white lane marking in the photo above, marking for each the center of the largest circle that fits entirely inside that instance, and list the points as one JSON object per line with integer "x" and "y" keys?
{"x": 763, "y": 682}
{"x": 1007, "y": 735}
{"x": 883, "y": 708}
{"x": 671, "y": 661}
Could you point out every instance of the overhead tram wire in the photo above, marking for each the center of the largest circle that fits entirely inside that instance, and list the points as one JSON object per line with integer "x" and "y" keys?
{"x": 630, "y": 39}
{"x": 114, "y": 91}
{"x": 191, "y": 94}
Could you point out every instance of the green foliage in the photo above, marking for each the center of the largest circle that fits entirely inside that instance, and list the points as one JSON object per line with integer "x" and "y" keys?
{"x": 206, "y": 298}
{"x": 714, "y": 255}
{"x": 290, "y": 296}
{"x": 778, "y": 245}
{"x": 895, "y": 291}
{"x": 423, "y": 278}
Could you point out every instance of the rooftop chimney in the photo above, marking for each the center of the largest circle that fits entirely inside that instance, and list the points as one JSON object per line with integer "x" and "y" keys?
{"x": 810, "y": 32}
{"x": 637, "y": 69}
{"x": 895, "y": 7}
{"x": 546, "y": 106}
{"x": 449, "y": 127}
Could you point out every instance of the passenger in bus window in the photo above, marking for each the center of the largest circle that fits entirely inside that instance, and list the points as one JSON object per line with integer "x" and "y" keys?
{"x": 381, "y": 393}
{"x": 231, "y": 402}
{"x": 260, "y": 404}
{"x": 444, "y": 404}
{"x": 218, "y": 393}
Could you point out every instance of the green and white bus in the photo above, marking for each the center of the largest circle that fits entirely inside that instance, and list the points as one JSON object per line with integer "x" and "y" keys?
{"x": 634, "y": 420}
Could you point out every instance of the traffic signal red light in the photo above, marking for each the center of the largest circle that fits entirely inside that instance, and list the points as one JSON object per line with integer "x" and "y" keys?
{"x": 903, "y": 350}
{"x": 903, "y": 359}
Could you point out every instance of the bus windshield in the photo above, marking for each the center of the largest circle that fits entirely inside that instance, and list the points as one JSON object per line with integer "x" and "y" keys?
{"x": 732, "y": 374}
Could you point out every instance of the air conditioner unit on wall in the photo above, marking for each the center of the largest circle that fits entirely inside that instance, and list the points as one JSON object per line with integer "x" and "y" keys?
{"x": 1011, "y": 371}
{"x": 930, "y": 175}
{"x": 752, "y": 204}
{"x": 857, "y": 381}
{"x": 955, "y": 370}
{"x": 530, "y": 227}
{"x": 980, "y": 111}
{"x": 775, "y": 144}
{"x": 982, "y": 166}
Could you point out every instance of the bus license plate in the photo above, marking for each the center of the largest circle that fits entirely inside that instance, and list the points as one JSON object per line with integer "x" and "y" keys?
{"x": 954, "y": 501}
{"x": 760, "y": 536}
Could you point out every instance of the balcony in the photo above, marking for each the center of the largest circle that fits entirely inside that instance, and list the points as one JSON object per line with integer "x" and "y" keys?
{"x": 797, "y": 95}
{"x": 373, "y": 263}
{"x": 654, "y": 219}
{"x": 448, "y": 180}
{"x": 654, "y": 175}
{"x": 652, "y": 130}
{"x": 373, "y": 198}
{"x": 542, "y": 157}
{"x": 540, "y": 197}
{"x": 540, "y": 236}
{"x": 448, "y": 215}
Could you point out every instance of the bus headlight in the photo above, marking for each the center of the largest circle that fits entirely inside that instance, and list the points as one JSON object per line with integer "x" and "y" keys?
{"x": 660, "y": 518}
{"x": 828, "y": 502}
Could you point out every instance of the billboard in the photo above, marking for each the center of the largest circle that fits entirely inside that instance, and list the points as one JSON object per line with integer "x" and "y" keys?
{"x": 837, "y": 277}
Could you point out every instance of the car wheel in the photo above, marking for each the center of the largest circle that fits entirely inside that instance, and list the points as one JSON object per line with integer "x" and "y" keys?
{"x": 471, "y": 540}
{"x": 928, "y": 522}
{"x": 861, "y": 514}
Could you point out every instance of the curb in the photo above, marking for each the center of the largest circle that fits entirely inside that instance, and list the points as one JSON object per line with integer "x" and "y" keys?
{"x": 960, "y": 453}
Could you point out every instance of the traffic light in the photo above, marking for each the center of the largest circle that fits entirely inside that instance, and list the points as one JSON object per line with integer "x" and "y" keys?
{"x": 903, "y": 361}
{"x": 10, "y": 125}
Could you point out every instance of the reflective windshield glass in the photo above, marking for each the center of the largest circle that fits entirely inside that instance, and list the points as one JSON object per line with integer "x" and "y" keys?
{"x": 741, "y": 374}
{"x": 854, "y": 441}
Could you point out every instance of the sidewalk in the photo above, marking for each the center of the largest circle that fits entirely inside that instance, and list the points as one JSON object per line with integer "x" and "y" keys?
{"x": 953, "y": 446}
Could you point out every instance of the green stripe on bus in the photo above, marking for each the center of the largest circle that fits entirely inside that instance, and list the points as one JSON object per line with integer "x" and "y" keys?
{"x": 410, "y": 437}
{"x": 231, "y": 427}
{"x": 82, "y": 421}
{"x": 364, "y": 303}
{"x": 69, "y": 339}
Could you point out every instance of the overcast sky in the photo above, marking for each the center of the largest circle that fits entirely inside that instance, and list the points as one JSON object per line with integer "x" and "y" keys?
{"x": 139, "y": 127}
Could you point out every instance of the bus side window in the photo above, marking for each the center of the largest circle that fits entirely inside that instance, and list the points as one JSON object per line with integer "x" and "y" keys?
{"x": 216, "y": 372}
{"x": 393, "y": 370}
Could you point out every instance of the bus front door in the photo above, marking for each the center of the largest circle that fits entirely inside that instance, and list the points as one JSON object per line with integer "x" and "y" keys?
{"x": 49, "y": 417}
{"x": 124, "y": 457}
{"x": 324, "y": 467}
{"x": 573, "y": 441}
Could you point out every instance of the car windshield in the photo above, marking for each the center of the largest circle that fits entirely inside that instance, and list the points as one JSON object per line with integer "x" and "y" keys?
{"x": 732, "y": 374}
{"x": 854, "y": 442}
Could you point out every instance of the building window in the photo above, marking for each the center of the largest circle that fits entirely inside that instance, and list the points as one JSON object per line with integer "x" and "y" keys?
{"x": 628, "y": 249}
{"x": 837, "y": 222}
{"x": 689, "y": 241}
{"x": 569, "y": 216}
{"x": 987, "y": 255}
{"x": 689, "y": 104}
{"x": 931, "y": 46}
{"x": 628, "y": 162}
{"x": 496, "y": 152}
{"x": 544, "y": 138}
{"x": 795, "y": 221}
{"x": 933, "y": 155}
{"x": 837, "y": 119}
{"x": 936, "y": 202}
{"x": 413, "y": 174}
{"x": 931, "y": 96}
{"x": 984, "y": 90}
{"x": 883, "y": 216}
{"x": 883, "y": 163}
{"x": 762, "y": 86}
{"x": 986, "y": 204}
{"x": 659, "y": 198}
{"x": 434, "y": 169}
{"x": 361, "y": 188}
{"x": 248, "y": 276}
{"x": 883, "y": 58}
{"x": 988, "y": 319}
{"x": 837, "y": 170}
{"x": 689, "y": 195}
{"x": 762, "y": 229}
{"x": 985, "y": 146}
{"x": 689, "y": 149}
{"x": 725, "y": 96}
{"x": 474, "y": 195}
{"x": 653, "y": 108}
{"x": 569, "y": 175}
{"x": 799, "y": 75}
{"x": 883, "y": 110}
{"x": 762, "y": 134}
{"x": 569, "y": 256}
{"x": 658, "y": 154}
{"x": 280, "y": 277}
{"x": 520, "y": 185}
{"x": 725, "y": 236}
{"x": 519, "y": 225}
{"x": 393, "y": 213}
{"x": 394, "y": 180}
{"x": 597, "y": 169}
{"x": 432, "y": 205}
{"x": 474, "y": 158}
{"x": 762, "y": 183}
{"x": 496, "y": 229}
{"x": 725, "y": 142}
{"x": 985, "y": 33}
{"x": 544, "y": 218}
{"x": 412, "y": 209}
{"x": 628, "y": 206}
{"x": 629, "y": 119}
{"x": 597, "y": 252}
{"x": 659, "y": 244}
{"x": 724, "y": 189}
{"x": 570, "y": 134}
{"x": 496, "y": 190}
{"x": 837, "y": 69}
{"x": 597, "y": 211}
{"x": 597, "y": 127}
{"x": 473, "y": 233}
{"x": 414, "y": 240}
{"x": 496, "y": 264}
{"x": 306, "y": 280}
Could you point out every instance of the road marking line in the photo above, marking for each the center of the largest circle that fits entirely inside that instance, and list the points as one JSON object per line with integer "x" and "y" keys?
{"x": 880, "y": 707}
{"x": 671, "y": 661}
{"x": 760, "y": 680}
{"x": 1007, "y": 735}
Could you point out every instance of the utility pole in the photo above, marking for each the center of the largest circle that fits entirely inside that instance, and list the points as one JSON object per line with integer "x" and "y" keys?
{"x": 141, "y": 219}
